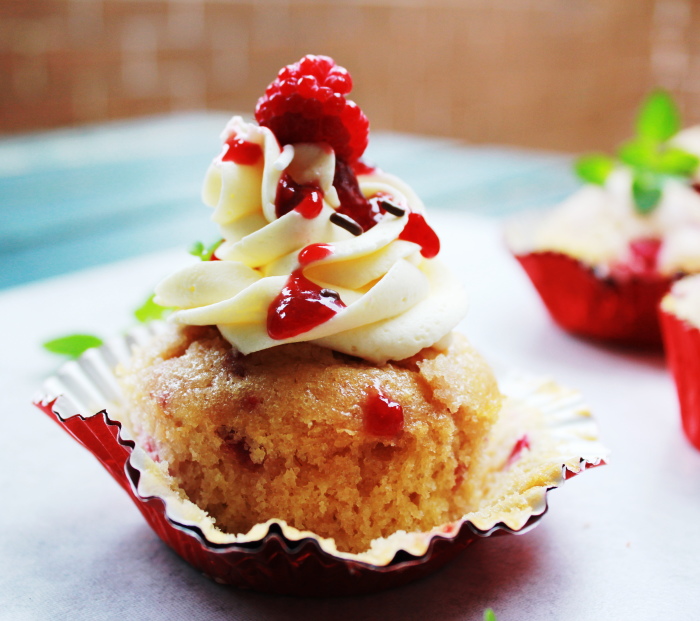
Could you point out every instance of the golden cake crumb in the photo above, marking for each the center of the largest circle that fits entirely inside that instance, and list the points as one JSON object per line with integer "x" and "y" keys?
{"x": 283, "y": 433}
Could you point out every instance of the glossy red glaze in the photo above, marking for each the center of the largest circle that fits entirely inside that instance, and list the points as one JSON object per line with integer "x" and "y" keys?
{"x": 314, "y": 252}
{"x": 682, "y": 343}
{"x": 306, "y": 199}
{"x": 642, "y": 260}
{"x": 522, "y": 444}
{"x": 616, "y": 310}
{"x": 299, "y": 307}
{"x": 242, "y": 152}
{"x": 352, "y": 202}
{"x": 418, "y": 231}
{"x": 382, "y": 415}
{"x": 362, "y": 168}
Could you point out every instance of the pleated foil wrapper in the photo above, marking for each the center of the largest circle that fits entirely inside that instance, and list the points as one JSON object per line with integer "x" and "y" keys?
{"x": 604, "y": 308}
{"x": 544, "y": 435}
{"x": 682, "y": 344}
{"x": 587, "y": 301}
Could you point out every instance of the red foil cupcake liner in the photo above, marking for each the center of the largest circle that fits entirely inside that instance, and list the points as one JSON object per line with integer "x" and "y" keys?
{"x": 543, "y": 429}
{"x": 616, "y": 310}
{"x": 682, "y": 343}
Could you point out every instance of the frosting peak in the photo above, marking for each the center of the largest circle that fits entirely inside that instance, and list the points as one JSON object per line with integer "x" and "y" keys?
{"x": 316, "y": 247}
{"x": 391, "y": 301}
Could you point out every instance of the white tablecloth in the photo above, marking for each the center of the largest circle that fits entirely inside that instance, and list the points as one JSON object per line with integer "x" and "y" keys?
{"x": 618, "y": 542}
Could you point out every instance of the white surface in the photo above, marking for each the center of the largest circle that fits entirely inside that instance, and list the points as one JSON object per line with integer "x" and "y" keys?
{"x": 619, "y": 542}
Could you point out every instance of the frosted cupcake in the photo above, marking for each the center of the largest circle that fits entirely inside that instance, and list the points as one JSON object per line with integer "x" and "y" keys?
{"x": 680, "y": 319}
{"x": 308, "y": 421}
{"x": 603, "y": 259}
{"x": 330, "y": 390}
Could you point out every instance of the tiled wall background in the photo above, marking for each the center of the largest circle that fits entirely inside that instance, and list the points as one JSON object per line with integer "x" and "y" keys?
{"x": 564, "y": 74}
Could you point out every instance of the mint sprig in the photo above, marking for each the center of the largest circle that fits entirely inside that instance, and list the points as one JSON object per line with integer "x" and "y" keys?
{"x": 594, "y": 168}
{"x": 489, "y": 615}
{"x": 658, "y": 118}
{"x": 73, "y": 345}
{"x": 648, "y": 155}
{"x": 646, "y": 190}
{"x": 150, "y": 311}
{"x": 204, "y": 253}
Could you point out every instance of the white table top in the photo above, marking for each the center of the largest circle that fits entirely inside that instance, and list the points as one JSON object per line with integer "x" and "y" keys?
{"x": 618, "y": 542}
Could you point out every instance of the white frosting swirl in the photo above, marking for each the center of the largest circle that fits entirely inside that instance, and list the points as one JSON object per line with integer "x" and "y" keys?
{"x": 598, "y": 223}
{"x": 396, "y": 301}
{"x": 684, "y": 300}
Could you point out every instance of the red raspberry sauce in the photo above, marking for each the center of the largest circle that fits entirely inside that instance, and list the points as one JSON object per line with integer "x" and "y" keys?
{"x": 302, "y": 304}
{"x": 242, "y": 152}
{"x": 642, "y": 260}
{"x": 645, "y": 253}
{"x": 352, "y": 202}
{"x": 522, "y": 444}
{"x": 306, "y": 199}
{"x": 314, "y": 252}
{"x": 362, "y": 168}
{"x": 299, "y": 307}
{"x": 382, "y": 415}
{"x": 418, "y": 231}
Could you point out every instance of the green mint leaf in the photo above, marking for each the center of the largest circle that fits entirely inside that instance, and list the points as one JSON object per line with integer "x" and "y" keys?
{"x": 658, "y": 118}
{"x": 594, "y": 168}
{"x": 489, "y": 615}
{"x": 646, "y": 191}
{"x": 639, "y": 153}
{"x": 150, "y": 311}
{"x": 675, "y": 161}
{"x": 197, "y": 249}
{"x": 73, "y": 345}
{"x": 205, "y": 253}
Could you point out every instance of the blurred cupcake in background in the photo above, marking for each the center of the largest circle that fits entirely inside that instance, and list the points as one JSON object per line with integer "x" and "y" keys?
{"x": 605, "y": 257}
{"x": 680, "y": 320}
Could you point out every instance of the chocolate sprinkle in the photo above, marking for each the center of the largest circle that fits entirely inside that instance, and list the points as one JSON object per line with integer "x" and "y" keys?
{"x": 347, "y": 223}
{"x": 329, "y": 293}
{"x": 394, "y": 210}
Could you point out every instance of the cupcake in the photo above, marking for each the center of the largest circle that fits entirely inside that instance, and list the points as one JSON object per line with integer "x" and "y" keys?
{"x": 680, "y": 320}
{"x": 311, "y": 365}
{"x": 604, "y": 258}
{"x": 308, "y": 421}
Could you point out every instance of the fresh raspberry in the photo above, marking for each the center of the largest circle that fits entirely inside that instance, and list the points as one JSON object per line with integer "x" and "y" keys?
{"x": 307, "y": 103}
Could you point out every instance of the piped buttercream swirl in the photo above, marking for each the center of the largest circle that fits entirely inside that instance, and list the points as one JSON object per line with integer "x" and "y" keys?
{"x": 598, "y": 224}
{"x": 393, "y": 300}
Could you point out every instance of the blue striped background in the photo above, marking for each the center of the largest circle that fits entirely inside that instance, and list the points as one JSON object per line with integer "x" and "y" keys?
{"x": 79, "y": 197}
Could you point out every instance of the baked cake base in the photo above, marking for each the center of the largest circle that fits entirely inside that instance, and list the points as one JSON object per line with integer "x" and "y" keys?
{"x": 288, "y": 433}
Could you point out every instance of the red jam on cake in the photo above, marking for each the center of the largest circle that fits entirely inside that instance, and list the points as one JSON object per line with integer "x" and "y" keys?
{"x": 311, "y": 372}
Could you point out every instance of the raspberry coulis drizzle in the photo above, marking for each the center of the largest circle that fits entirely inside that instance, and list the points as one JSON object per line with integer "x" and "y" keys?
{"x": 302, "y": 304}
{"x": 419, "y": 232}
{"x": 352, "y": 202}
{"x": 381, "y": 414}
{"x": 642, "y": 260}
{"x": 314, "y": 252}
{"x": 242, "y": 152}
{"x": 306, "y": 199}
{"x": 522, "y": 444}
{"x": 645, "y": 254}
{"x": 368, "y": 212}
